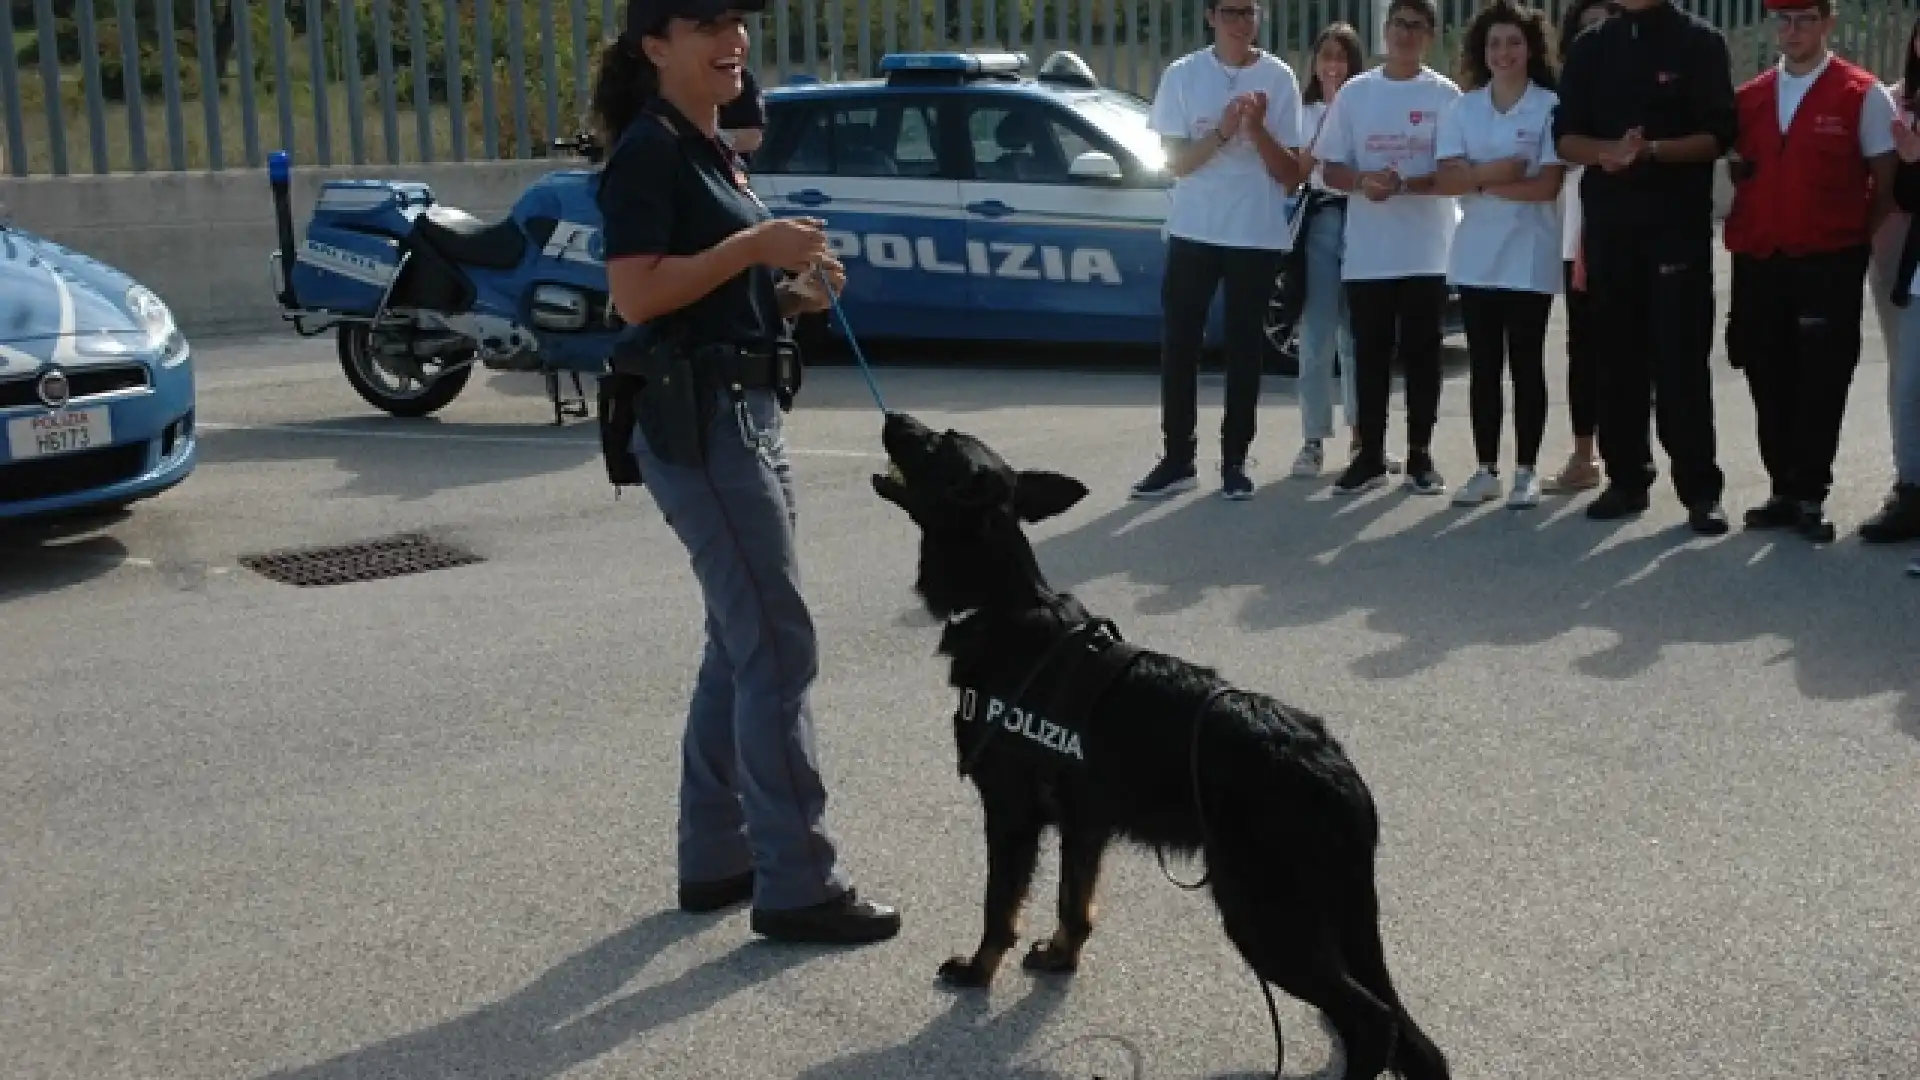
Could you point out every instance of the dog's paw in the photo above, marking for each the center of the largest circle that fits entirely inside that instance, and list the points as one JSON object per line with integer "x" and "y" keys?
{"x": 962, "y": 972}
{"x": 1051, "y": 957}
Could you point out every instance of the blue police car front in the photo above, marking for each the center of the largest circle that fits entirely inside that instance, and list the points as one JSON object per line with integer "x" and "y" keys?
{"x": 96, "y": 384}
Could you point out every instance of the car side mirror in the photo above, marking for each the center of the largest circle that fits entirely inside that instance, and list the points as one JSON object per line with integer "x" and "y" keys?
{"x": 1095, "y": 165}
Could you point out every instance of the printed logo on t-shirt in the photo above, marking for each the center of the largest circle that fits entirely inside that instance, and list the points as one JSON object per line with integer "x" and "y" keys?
{"x": 1396, "y": 147}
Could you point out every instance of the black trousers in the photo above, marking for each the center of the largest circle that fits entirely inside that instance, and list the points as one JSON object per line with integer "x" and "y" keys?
{"x": 1194, "y": 271}
{"x": 1652, "y": 291}
{"x": 1794, "y": 328}
{"x": 1507, "y": 331}
{"x": 1398, "y": 317}
{"x": 1583, "y": 362}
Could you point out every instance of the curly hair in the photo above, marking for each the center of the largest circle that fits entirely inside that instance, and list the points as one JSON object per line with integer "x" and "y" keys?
{"x": 1532, "y": 22}
{"x": 626, "y": 81}
{"x": 1349, "y": 40}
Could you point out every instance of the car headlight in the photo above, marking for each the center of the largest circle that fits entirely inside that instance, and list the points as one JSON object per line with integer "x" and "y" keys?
{"x": 163, "y": 336}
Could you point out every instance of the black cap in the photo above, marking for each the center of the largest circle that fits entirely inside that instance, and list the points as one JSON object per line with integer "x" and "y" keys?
{"x": 648, "y": 16}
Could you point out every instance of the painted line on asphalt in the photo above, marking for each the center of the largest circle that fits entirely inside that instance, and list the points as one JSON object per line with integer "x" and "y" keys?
{"x": 569, "y": 442}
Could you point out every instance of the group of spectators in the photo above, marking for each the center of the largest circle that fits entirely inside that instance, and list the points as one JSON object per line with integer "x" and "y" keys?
{"x": 1575, "y": 161}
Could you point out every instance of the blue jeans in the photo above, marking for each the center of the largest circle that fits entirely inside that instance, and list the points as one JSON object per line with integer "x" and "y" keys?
{"x": 1325, "y": 325}
{"x": 751, "y": 796}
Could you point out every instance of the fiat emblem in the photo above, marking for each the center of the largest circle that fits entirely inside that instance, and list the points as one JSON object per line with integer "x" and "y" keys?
{"x": 54, "y": 389}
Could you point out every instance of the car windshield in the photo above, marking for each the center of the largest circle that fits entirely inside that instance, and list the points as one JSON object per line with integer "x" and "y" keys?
{"x": 1125, "y": 118}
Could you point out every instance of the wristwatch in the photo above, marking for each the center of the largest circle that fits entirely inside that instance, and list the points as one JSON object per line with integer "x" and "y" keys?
{"x": 1653, "y": 150}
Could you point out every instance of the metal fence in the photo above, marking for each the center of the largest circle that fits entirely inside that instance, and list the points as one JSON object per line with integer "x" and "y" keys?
{"x": 188, "y": 85}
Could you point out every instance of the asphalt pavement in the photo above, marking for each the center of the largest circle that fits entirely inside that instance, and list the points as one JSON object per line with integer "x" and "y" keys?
{"x": 1649, "y": 799}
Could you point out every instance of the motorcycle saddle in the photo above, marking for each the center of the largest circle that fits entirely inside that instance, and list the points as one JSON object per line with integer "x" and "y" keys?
{"x": 466, "y": 239}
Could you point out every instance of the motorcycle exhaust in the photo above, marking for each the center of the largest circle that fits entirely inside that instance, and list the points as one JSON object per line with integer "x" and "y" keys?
{"x": 280, "y": 177}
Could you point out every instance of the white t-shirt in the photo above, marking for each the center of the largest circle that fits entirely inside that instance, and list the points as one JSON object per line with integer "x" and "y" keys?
{"x": 1377, "y": 122}
{"x": 1310, "y": 117}
{"x": 1502, "y": 243}
{"x": 1231, "y": 200}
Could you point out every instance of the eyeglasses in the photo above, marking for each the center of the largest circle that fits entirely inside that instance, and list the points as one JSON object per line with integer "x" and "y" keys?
{"x": 1237, "y": 12}
{"x": 1411, "y": 26}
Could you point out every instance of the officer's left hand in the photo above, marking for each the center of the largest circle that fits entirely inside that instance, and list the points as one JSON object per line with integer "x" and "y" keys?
{"x": 836, "y": 280}
{"x": 804, "y": 293}
{"x": 1906, "y": 141}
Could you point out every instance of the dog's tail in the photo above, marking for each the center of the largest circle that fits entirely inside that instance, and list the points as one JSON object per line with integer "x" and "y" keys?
{"x": 1415, "y": 1057}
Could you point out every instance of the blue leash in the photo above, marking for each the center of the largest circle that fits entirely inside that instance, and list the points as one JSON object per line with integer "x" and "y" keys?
{"x": 832, "y": 298}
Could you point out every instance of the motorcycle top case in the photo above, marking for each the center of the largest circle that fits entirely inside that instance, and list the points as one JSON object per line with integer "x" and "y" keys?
{"x": 352, "y": 243}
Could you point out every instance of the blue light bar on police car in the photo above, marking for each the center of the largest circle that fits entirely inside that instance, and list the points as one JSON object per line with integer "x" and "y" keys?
{"x": 958, "y": 63}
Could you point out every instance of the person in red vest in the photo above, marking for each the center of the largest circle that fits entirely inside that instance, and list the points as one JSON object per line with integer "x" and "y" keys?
{"x": 1813, "y": 169}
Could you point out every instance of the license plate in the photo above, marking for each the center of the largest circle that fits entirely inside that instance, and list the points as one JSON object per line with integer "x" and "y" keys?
{"x": 65, "y": 432}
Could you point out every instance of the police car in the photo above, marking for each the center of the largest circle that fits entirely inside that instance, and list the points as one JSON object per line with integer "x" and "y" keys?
{"x": 96, "y": 384}
{"x": 970, "y": 202}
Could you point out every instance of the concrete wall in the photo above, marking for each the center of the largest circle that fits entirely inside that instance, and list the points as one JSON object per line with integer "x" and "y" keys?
{"x": 201, "y": 240}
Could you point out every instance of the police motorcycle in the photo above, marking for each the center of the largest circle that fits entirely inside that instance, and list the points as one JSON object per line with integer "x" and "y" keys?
{"x": 417, "y": 291}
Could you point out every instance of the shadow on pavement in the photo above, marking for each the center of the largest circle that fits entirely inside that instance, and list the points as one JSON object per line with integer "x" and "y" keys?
{"x": 566, "y": 1017}
{"x": 1457, "y": 579}
{"x": 410, "y": 459}
{"x": 54, "y": 553}
{"x": 966, "y": 1040}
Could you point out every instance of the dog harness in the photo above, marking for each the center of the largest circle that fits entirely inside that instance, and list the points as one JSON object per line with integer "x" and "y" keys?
{"x": 1086, "y": 662}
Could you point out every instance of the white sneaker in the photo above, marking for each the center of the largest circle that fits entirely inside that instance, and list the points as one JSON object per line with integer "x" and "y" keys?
{"x": 1481, "y": 487}
{"x": 1312, "y": 457}
{"x": 1526, "y": 489}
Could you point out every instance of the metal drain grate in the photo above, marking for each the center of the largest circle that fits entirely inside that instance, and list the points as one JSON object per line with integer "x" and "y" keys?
{"x": 368, "y": 560}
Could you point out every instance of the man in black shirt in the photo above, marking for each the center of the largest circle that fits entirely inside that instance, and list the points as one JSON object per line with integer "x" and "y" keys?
{"x": 1646, "y": 102}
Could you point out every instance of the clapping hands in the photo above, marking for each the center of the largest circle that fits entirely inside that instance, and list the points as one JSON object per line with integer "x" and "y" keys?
{"x": 1244, "y": 110}
{"x": 1622, "y": 155}
{"x": 1381, "y": 185}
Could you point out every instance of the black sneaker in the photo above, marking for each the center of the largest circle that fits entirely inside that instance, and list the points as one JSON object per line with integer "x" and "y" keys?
{"x": 1168, "y": 477}
{"x": 844, "y": 920}
{"x": 1814, "y": 524}
{"x": 1898, "y": 519}
{"x": 1363, "y": 472}
{"x": 1707, "y": 518}
{"x": 1234, "y": 483}
{"x": 1776, "y": 513}
{"x": 1422, "y": 477}
{"x": 1615, "y": 503}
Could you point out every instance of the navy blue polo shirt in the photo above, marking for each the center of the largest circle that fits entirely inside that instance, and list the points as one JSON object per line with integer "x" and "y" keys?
{"x": 677, "y": 192}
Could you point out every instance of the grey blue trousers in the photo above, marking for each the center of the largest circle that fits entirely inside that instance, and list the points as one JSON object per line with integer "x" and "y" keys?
{"x": 751, "y": 796}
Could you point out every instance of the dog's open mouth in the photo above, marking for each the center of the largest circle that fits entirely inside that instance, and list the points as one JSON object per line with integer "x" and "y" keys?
{"x": 892, "y": 484}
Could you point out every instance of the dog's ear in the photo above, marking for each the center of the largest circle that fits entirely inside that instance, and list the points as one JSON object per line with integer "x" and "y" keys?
{"x": 1040, "y": 494}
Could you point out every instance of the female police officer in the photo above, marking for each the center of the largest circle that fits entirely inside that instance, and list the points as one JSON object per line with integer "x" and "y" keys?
{"x": 692, "y": 253}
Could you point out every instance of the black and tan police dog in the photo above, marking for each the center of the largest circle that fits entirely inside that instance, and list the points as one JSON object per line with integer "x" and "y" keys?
{"x": 1062, "y": 724}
